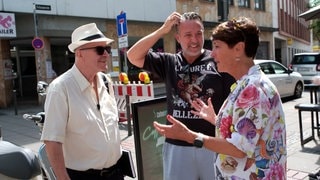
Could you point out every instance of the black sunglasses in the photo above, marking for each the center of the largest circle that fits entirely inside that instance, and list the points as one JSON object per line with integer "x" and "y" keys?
{"x": 100, "y": 49}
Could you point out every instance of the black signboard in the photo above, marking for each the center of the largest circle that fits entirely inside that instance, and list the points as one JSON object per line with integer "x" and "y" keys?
{"x": 43, "y": 7}
{"x": 148, "y": 142}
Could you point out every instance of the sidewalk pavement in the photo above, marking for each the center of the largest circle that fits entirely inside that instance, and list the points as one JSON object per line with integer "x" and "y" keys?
{"x": 300, "y": 161}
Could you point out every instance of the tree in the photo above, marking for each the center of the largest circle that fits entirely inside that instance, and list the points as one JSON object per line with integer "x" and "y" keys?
{"x": 315, "y": 24}
{"x": 314, "y": 3}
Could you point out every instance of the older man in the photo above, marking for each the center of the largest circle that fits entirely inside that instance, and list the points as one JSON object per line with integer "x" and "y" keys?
{"x": 81, "y": 131}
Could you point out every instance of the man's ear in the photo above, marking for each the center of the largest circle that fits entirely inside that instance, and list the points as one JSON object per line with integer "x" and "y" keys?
{"x": 77, "y": 53}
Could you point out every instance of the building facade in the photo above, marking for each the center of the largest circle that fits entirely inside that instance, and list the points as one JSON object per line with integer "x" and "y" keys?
{"x": 38, "y": 51}
{"x": 293, "y": 35}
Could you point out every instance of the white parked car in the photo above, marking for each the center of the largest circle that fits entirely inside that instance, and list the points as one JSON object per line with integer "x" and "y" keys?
{"x": 288, "y": 82}
{"x": 307, "y": 64}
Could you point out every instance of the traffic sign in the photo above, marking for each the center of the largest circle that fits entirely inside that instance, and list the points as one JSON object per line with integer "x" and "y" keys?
{"x": 37, "y": 43}
{"x": 122, "y": 24}
{"x": 123, "y": 41}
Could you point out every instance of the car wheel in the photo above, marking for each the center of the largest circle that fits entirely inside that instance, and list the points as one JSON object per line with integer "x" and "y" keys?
{"x": 298, "y": 90}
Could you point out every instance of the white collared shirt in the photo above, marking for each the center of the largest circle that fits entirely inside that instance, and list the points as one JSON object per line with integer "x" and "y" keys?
{"x": 90, "y": 137}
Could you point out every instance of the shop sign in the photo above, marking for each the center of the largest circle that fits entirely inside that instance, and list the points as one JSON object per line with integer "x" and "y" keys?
{"x": 7, "y": 25}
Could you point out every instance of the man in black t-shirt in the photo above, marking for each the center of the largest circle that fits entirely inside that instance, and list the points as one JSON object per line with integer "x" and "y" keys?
{"x": 189, "y": 74}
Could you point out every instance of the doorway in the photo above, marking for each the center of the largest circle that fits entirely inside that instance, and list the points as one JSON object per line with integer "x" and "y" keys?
{"x": 25, "y": 67}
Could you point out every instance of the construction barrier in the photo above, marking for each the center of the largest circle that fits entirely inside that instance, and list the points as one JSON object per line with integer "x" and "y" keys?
{"x": 136, "y": 92}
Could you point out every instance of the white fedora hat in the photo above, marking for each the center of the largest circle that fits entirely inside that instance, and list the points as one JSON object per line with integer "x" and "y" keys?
{"x": 87, "y": 33}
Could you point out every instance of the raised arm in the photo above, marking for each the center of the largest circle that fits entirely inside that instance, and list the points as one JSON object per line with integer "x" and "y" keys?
{"x": 136, "y": 54}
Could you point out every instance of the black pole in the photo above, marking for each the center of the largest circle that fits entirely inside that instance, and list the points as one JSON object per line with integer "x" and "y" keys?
{"x": 128, "y": 115}
{"x": 15, "y": 102}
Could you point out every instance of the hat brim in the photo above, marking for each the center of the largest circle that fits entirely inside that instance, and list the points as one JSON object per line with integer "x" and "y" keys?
{"x": 77, "y": 44}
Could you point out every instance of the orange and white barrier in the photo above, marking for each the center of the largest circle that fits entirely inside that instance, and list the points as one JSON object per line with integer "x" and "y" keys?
{"x": 135, "y": 91}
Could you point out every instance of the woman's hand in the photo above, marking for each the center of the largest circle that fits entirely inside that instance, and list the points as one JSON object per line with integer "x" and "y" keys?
{"x": 176, "y": 130}
{"x": 204, "y": 111}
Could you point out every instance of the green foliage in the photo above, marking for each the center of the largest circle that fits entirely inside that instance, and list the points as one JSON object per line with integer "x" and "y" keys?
{"x": 315, "y": 24}
{"x": 314, "y": 3}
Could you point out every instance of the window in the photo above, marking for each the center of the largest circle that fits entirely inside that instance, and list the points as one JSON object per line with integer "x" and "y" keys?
{"x": 278, "y": 69}
{"x": 259, "y": 4}
{"x": 305, "y": 59}
{"x": 244, "y": 3}
{"x": 266, "y": 68}
{"x": 231, "y": 3}
{"x": 209, "y": 0}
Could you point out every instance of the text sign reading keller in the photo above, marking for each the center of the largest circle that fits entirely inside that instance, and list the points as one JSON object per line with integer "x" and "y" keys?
{"x": 7, "y": 25}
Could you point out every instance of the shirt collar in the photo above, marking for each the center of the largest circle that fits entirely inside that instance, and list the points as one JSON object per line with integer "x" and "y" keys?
{"x": 254, "y": 70}
{"x": 82, "y": 82}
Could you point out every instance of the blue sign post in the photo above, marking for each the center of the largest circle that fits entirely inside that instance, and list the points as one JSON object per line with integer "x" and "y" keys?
{"x": 122, "y": 31}
{"x": 123, "y": 43}
{"x": 122, "y": 24}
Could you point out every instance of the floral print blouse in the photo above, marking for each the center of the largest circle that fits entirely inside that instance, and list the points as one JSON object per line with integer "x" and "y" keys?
{"x": 252, "y": 119}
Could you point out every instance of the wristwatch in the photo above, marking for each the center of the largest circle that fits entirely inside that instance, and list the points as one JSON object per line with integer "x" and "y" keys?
{"x": 198, "y": 142}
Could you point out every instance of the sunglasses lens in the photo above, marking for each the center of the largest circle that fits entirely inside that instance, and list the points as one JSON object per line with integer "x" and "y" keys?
{"x": 100, "y": 50}
{"x": 108, "y": 49}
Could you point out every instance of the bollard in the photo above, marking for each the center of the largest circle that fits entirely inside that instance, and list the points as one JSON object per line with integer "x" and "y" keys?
{"x": 15, "y": 102}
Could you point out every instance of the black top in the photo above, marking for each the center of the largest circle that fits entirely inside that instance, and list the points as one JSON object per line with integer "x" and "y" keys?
{"x": 184, "y": 82}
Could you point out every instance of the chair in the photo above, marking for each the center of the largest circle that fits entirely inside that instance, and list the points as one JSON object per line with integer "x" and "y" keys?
{"x": 313, "y": 108}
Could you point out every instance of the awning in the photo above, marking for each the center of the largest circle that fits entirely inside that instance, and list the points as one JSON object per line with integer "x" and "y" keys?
{"x": 312, "y": 13}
